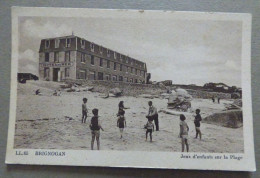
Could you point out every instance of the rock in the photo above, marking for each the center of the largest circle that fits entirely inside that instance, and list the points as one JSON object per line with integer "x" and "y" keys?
{"x": 171, "y": 112}
{"x": 180, "y": 101}
{"x": 116, "y": 91}
{"x": 165, "y": 95}
{"x": 86, "y": 88}
{"x": 70, "y": 90}
{"x": 183, "y": 93}
{"x": 232, "y": 119}
{"x": 106, "y": 95}
{"x": 235, "y": 95}
{"x": 237, "y": 104}
{"x": 65, "y": 86}
{"x": 146, "y": 96}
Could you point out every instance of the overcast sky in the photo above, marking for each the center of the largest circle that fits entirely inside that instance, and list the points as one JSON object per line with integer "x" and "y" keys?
{"x": 184, "y": 51}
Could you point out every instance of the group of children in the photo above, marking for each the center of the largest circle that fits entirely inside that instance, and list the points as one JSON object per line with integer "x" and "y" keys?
{"x": 184, "y": 129}
{"x": 121, "y": 124}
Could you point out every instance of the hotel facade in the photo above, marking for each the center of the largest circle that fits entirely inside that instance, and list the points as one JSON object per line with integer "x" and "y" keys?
{"x": 72, "y": 57}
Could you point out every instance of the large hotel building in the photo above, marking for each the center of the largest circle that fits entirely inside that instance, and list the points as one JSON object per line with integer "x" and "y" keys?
{"x": 76, "y": 58}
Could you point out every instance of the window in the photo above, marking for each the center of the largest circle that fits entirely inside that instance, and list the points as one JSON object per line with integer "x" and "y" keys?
{"x": 121, "y": 67}
{"x": 92, "y": 60}
{"x": 144, "y": 73}
{"x": 67, "y": 72}
{"x": 83, "y": 58}
{"x": 57, "y": 43}
{"x": 108, "y": 77}
{"x": 100, "y": 49}
{"x": 127, "y": 69}
{"x": 68, "y": 42}
{"x": 92, "y": 47}
{"x": 131, "y": 80}
{"x": 120, "y": 78}
{"x": 101, "y": 62}
{"x": 46, "y": 72}
{"x": 135, "y": 80}
{"x": 114, "y": 78}
{"x": 100, "y": 76}
{"x": 114, "y": 66}
{"x": 82, "y": 74}
{"x": 67, "y": 56}
{"x": 87, "y": 57}
{"x": 82, "y": 43}
{"x": 136, "y": 71}
{"x": 131, "y": 69}
{"x": 47, "y": 57}
{"x": 114, "y": 55}
{"x": 56, "y": 56}
{"x": 47, "y": 43}
{"x": 108, "y": 53}
{"x": 108, "y": 64}
{"x": 92, "y": 75}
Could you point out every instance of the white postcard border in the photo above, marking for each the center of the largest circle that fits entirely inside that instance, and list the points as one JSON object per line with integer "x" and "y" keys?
{"x": 138, "y": 159}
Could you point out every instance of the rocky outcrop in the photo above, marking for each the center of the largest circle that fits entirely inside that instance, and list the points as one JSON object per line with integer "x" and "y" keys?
{"x": 232, "y": 119}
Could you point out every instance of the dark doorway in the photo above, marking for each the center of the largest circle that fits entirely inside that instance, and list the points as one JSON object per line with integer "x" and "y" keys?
{"x": 56, "y": 74}
{"x": 100, "y": 76}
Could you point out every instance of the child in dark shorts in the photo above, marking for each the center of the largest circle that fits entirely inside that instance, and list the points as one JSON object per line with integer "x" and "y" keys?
{"x": 84, "y": 110}
{"x": 149, "y": 129}
{"x": 95, "y": 129}
{"x": 121, "y": 122}
{"x": 197, "y": 123}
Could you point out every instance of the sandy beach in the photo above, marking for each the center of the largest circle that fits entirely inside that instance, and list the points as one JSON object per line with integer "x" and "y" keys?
{"x": 54, "y": 122}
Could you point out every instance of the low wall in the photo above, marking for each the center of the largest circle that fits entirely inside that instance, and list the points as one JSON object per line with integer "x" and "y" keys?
{"x": 207, "y": 95}
{"x": 129, "y": 89}
{"x": 135, "y": 89}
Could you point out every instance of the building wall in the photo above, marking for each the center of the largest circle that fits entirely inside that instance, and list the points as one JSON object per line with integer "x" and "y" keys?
{"x": 79, "y": 69}
{"x": 61, "y": 64}
{"x": 89, "y": 68}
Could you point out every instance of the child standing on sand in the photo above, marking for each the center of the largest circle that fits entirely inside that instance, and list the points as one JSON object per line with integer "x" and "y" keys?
{"x": 84, "y": 110}
{"x": 197, "y": 123}
{"x": 184, "y": 129}
{"x": 95, "y": 129}
{"x": 121, "y": 122}
{"x": 149, "y": 129}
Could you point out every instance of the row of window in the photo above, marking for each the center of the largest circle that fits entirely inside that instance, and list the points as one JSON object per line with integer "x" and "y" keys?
{"x": 101, "y": 76}
{"x": 101, "y": 64}
{"x": 92, "y": 48}
{"x": 57, "y": 57}
{"x": 57, "y": 43}
{"x": 92, "y": 61}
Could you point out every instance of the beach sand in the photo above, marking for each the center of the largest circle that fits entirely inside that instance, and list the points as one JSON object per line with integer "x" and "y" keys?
{"x": 54, "y": 122}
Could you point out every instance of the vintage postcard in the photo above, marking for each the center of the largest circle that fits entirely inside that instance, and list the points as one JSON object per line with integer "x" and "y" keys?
{"x": 131, "y": 88}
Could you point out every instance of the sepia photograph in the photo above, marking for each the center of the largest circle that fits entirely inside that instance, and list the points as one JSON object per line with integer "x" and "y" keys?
{"x": 130, "y": 81}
